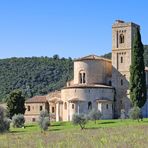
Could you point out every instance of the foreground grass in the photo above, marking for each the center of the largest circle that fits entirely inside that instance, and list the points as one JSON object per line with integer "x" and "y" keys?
{"x": 106, "y": 133}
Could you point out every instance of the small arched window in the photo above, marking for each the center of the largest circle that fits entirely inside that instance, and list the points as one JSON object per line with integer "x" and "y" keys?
{"x": 28, "y": 108}
{"x": 89, "y": 106}
{"x": 121, "y": 38}
{"x": 121, "y": 59}
{"x": 82, "y": 77}
{"x": 65, "y": 105}
{"x": 41, "y": 108}
{"x": 52, "y": 109}
{"x": 121, "y": 82}
{"x": 106, "y": 106}
{"x": 73, "y": 106}
{"x": 110, "y": 83}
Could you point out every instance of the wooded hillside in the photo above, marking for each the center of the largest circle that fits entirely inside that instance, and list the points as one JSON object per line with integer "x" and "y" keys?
{"x": 35, "y": 76}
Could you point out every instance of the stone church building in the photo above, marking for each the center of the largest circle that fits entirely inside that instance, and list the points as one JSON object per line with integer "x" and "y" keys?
{"x": 98, "y": 83}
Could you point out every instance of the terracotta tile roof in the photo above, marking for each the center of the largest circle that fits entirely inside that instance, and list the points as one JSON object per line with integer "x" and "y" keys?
{"x": 92, "y": 57}
{"x": 75, "y": 100}
{"x": 54, "y": 99}
{"x": 37, "y": 99}
{"x": 55, "y": 94}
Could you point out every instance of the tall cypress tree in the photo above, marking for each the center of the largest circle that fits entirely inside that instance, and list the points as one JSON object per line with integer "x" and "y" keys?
{"x": 137, "y": 73}
{"x": 15, "y": 103}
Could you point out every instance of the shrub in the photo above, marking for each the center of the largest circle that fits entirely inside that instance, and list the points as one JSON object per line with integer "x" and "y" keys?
{"x": 44, "y": 120}
{"x": 80, "y": 119}
{"x": 123, "y": 114}
{"x": 18, "y": 121}
{"x": 94, "y": 115}
{"x": 134, "y": 113}
{"x": 4, "y": 122}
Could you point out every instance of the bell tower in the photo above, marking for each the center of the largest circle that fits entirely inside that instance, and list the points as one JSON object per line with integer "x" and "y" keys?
{"x": 122, "y": 38}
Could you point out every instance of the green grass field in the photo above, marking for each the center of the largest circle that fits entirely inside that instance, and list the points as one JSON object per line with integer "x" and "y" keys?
{"x": 106, "y": 133}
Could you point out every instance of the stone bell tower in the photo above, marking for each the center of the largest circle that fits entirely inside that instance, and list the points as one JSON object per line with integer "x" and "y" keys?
{"x": 122, "y": 38}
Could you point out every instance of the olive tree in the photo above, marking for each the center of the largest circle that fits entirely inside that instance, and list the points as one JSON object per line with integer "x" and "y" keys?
{"x": 18, "y": 120}
{"x": 44, "y": 120}
{"x": 80, "y": 119}
{"x": 4, "y": 122}
{"x": 135, "y": 113}
{"x": 94, "y": 115}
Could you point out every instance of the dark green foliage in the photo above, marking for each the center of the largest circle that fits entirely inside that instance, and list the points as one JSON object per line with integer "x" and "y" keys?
{"x": 108, "y": 55}
{"x": 80, "y": 119}
{"x": 94, "y": 115}
{"x": 18, "y": 121}
{"x": 34, "y": 76}
{"x": 146, "y": 55}
{"x": 137, "y": 73}
{"x": 4, "y": 122}
{"x": 44, "y": 120}
{"x": 134, "y": 113}
{"x": 15, "y": 103}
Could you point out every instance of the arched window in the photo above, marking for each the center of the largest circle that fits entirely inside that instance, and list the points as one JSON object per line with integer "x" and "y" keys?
{"x": 110, "y": 83}
{"x": 89, "y": 106}
{"x": 28, "y": 108}
{"x": 73, "y": 106}
{"x": 121, "y": 82}
{"x": 65, "y": 105}
{"x": 106, "y": 106}
{"x": 121, "y": 59}
{"x": 121, "y": 38}
{"x": 52, "y": 109}
{"x": 82, "y": 77}
{"x": 41, "y": 108}
{"x": 81, "y": 80}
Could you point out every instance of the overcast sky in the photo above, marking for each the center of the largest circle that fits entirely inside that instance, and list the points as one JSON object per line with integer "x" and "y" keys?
{"x": 69, "y": 28}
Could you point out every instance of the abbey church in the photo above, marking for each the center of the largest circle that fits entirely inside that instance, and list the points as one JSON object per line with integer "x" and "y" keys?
{"x": 98, "y": 83}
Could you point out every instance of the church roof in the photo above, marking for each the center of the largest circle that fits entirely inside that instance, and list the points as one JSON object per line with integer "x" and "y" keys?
{"x": 37, "y": 99}
{"x": 92, "y": 57}
{"x": 54, "y": 96}
{"x": 89, "y": 86}
{"x": 75, "y": 100}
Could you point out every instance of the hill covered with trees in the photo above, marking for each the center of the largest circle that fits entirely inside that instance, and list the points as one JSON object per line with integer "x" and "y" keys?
{"x": 34, "y": 76}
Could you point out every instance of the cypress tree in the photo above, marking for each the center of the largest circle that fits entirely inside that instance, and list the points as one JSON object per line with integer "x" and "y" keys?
{"x": 137, "y": 72}
{"x": 15, "y": 103}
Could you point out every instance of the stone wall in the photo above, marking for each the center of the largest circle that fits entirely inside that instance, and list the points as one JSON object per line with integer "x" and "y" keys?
{"x": 97, "y": 71}
{"x": 83, "y": 96}
{"x": 33, "y": 114}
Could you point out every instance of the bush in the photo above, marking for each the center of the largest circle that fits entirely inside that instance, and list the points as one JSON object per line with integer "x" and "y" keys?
{"x": 135, "y": 113}
{"x": 80, "y": 119}
{"x": 94, "y": 115}
{"x": 18, "y": 121}
{"x": 4, "y": 122}
{"x": 44, "y": 120}
{"x": 123, "y": 114}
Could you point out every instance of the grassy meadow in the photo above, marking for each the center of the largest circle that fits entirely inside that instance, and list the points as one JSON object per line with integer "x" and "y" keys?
{"x": 105, "y": 133}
